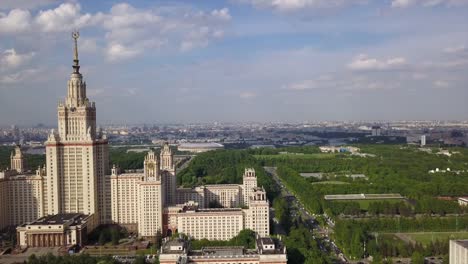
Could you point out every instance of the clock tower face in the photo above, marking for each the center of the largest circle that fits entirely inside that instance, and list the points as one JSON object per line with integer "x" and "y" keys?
{"x": 150, "y": 166}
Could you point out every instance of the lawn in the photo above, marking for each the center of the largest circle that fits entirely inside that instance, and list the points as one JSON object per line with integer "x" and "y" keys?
{"x": 296, "y": 156}
{"x": 426, "y": 237}
{"x": 330, "y": 182}
{"x": 364, "y": 204}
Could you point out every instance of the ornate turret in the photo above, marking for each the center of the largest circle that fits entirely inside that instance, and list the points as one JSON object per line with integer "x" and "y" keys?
{"x": 151, "y": 167}
{"x": 17, "y": 160}
{"x": 167, "y": 158}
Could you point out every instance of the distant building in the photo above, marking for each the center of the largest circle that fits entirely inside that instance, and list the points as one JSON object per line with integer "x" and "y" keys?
{"x": 340, "y": 149}
{"x": 458, "y": 252}
{"x": 199, "y": 147}
{"x": 423, "y": 140}
{"x": 463, "y": 201}
{"x": 267, "y": 251}
{"x": 376, "y": 131}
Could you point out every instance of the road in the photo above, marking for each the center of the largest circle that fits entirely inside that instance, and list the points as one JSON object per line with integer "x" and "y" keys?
{"x": 309, "y": 219}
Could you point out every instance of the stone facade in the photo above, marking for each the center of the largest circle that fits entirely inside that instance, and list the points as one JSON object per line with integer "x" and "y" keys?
{"x": 56, "y": 231}
{"x": 21, "y": 193}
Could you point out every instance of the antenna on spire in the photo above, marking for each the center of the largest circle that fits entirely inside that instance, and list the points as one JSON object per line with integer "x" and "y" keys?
{"x": 76, "y": 64}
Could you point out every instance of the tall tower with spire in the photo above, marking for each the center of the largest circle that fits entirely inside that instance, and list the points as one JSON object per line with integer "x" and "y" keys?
{"x": 77, "y": 156}
{"x": 168, "y": 173}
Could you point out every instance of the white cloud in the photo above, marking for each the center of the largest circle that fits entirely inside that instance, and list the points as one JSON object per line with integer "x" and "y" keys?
{"x": 17, "y": 20}
{"x": 247, "y": 95}
{"x": 117, "y": 51}
{"x": 293, "y": 5}
{"x": 302, "y": 85}
{"x": 132, "y": 31}
{"x": 65, "y": 17}
{"x": 363, "y": 62}
{"x": 402, "y": 3}
{"x": 222, "y": 14}
{"x": 427, "y": 3}
{"x": 456, "y": 49}
{"x": 124, "y": 16}
{"x": 441, "y": 84}
{"x": 128, "y": 31}
{"x": 20, "y": 76}
{"x": 10, "y": 59}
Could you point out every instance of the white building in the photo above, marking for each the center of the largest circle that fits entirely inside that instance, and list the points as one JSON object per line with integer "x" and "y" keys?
{"x": 423, "y": 140}
{"x": 21, "y": 193}
{"x": 458, "y": 251}
{"x": 76, "y": 155}
{"x": 463, "y": 201}
{"x": 267, "y": 251}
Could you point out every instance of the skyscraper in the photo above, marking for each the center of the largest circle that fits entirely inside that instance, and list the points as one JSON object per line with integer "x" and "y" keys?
{"x": 76, "y": 156}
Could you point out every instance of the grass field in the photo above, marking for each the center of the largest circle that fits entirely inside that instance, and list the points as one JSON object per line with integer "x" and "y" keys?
{"x": 330, "y": 182}
{"x": 426, "y": 237}
{"x": 296, "y": 156}
{"x": 364, "y": 204}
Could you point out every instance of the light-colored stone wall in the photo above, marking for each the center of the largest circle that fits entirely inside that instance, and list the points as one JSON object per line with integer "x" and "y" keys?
{"x": 150, "y": 211}
{"x": 458, "y": 251}
{"x": 124, "y": 193}
{"x": 212, "y": 224}
{"x": 227, "y": 195}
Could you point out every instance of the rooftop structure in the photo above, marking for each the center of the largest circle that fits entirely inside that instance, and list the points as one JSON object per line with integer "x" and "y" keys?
{"x": 199, "y": 147}
{"x": 267, "y": 250}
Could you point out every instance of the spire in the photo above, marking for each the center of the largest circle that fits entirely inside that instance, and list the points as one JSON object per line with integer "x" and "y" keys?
{"x": 76, "y": 62}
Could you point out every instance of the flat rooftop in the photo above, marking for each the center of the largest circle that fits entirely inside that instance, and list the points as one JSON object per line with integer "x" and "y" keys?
{"x": 267, "y": 241}
{"x": 59, "y": 219}
{"x": 223, "y": 251}
{"x": 463, "y": 243}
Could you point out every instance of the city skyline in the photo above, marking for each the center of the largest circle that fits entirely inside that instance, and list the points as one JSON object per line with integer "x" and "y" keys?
{"x": 236, "y": 61}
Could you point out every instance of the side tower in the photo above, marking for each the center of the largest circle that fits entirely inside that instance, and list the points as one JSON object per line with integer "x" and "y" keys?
{"x": 248, "y": 185}
{"x": 76, "y": 156}
{"x": 17, "y": 160}
{"x": 257, "y": 216}
{"x": 168, "y": 174}
{"x": 150, "y": 198}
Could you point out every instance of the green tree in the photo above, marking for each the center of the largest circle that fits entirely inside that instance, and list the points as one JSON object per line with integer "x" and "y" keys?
{"x": 417, "y": 258}
{"x": 102, "y": 238}
{"x": 158, "y": 240}
{"x": 115, "y": 236}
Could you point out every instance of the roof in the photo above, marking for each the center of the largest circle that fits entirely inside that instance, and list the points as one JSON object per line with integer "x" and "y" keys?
{"x": 223, "y": 251}
{"x": 60, "y": 219}
{"x": 201, "y": 145}
{"x": 463, "y": 243}
{"x": 267, "y": 241}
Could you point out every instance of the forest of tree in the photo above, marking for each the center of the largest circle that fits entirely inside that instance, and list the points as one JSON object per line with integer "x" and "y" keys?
{"x": 224, "y": 166}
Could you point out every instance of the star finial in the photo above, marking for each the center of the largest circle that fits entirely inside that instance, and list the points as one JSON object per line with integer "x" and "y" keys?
{"x": 76, "y": 65}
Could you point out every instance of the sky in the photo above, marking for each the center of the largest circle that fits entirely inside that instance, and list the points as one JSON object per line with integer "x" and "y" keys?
{"x": 237, "y": 60}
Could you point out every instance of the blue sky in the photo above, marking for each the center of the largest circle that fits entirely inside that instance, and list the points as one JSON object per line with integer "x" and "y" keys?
{"x": 237, "y": 60}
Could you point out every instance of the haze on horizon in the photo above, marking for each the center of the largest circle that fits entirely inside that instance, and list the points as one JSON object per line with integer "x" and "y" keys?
{"x": 237, "y": 60}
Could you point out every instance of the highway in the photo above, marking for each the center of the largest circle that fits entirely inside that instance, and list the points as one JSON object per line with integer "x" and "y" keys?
{"x": 309, "y": 219}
